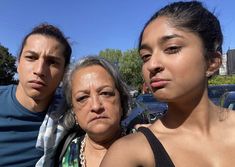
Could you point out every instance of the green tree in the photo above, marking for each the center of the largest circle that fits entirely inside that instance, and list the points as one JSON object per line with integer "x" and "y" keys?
{"x": 7, "y": 66}
{"x": 112, "y": 55}
{"x": 128, "y": 63}
{"x": 220, "y": 79}
{"x": 130, "y": 68}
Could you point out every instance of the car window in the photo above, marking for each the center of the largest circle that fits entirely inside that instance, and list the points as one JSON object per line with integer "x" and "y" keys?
{"x": 216, "y": 91}
{"x": 149, "y": 99}
{"x": 146, "y": 98}
{"x": 232, "y": 105}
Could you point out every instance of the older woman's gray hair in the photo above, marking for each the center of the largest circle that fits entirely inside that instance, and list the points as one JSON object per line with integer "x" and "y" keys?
{"x": 69, "y": 119}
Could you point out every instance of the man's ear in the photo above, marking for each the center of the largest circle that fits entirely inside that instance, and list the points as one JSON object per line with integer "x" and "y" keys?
{"x": 214, "y": 64}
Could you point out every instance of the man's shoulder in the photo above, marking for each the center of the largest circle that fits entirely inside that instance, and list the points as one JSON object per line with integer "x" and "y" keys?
{"x": 5, "y": 89}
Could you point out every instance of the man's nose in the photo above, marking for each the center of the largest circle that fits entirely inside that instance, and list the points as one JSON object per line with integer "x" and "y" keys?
{"x": 40, "y": 68}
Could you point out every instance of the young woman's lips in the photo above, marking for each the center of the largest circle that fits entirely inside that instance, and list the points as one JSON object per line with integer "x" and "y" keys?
{"x": 158, "y": 83}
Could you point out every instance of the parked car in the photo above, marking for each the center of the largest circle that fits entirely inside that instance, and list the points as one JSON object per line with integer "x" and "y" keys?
{"x": 155, "y": 108}
{"x": 135, "y": 116}
{"x": 134, "y": 93}
{"x": 228, "y": 100}
{"x": 216, "y": 91}
{"x": 145, "y": 109}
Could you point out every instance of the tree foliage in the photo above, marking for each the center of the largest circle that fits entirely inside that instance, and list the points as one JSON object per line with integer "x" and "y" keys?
{"x": 7, "y": 66}
{"x": 112, "y": 55}
{"x": 128, "y": 63}
{"x": 220, "y": 79}
{"x": 130, "y": 68}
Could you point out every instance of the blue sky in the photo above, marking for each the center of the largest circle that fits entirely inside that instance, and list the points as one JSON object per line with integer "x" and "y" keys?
{"x": 96, "y": 25}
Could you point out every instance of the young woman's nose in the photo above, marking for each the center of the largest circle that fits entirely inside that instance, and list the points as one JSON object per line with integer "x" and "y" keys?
{"x": 155, "y": 64}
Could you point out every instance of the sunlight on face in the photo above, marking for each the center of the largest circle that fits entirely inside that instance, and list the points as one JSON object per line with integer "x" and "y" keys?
{"x": 95, "y": 99}
{"x": 173, "y": 60}
{"x": 40, "y": 67}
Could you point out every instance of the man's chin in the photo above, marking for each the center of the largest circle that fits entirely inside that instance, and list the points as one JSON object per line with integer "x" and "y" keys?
{"x": 38, "y": 96}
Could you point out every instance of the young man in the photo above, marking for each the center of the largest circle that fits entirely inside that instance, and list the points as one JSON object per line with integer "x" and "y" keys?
{"x": 29, "y": 113}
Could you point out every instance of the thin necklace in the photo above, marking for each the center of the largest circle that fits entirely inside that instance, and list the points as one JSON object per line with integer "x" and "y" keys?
{"x": 82, "y": 150}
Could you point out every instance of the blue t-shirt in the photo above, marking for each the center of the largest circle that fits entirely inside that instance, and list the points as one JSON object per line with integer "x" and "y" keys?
{"x": 19, "y": 129}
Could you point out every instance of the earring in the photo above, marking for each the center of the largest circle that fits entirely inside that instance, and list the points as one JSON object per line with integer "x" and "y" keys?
{"x": 209, "y": 74}
{"x": 73, "y": 117}
{"x": 76, "y": 122}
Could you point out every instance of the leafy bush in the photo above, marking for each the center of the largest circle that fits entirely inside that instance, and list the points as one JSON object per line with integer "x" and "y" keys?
{"x": 219, "y": 80}
{"x": 7, "y": 66}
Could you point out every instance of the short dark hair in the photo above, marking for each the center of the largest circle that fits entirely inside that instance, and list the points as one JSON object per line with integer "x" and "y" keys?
{"x": 52, "y": 31}
{"x": 194, "y": 17}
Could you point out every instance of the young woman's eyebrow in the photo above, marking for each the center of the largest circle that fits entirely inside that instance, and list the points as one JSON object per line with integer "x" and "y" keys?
{"x": 162, "y": 40}
{"x": 169, "y": 37}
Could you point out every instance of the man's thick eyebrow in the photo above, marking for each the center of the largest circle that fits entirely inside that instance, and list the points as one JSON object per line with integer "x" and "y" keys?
{"x": 54, "y": 57}
{"x": 51, "y": 57}
{"x": 32, "y": 52}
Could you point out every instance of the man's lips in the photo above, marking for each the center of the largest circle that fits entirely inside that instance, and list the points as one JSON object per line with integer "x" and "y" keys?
{"x": 37, "y": 84}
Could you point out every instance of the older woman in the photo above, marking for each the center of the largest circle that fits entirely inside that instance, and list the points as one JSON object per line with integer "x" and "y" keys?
{"x": 98, "y": 101}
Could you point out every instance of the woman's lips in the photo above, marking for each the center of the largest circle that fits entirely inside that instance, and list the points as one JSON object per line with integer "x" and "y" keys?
{"x": 158, "y": 83}
{"x": 97, "y": 118}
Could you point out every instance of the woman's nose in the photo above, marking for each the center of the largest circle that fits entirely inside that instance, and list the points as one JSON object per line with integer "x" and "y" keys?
{"x": 96, "y": 103}
{"x": 155, "y": 64}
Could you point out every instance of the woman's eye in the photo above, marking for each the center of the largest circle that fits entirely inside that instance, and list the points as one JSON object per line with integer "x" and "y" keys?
{"x": 107, "y": 93}
{"x": 81, "y": 99}
{"x": 172, "y": 49}
{"x": 145, "y": 57}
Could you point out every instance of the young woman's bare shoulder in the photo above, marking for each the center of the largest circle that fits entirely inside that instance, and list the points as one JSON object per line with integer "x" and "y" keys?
{"x": 131, "y": 150}
{"x": 131, "y": 142}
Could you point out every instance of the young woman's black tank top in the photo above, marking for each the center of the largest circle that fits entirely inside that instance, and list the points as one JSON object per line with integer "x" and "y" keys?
{"x": 162, "y": 159}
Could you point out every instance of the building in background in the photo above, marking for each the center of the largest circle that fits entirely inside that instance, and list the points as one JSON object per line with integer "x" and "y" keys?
{"x": 223, "y": 68}
{"x": 231, "y": 62}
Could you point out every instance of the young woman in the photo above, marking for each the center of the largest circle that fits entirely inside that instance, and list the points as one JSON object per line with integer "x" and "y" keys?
{"x": 181, "y": 49}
